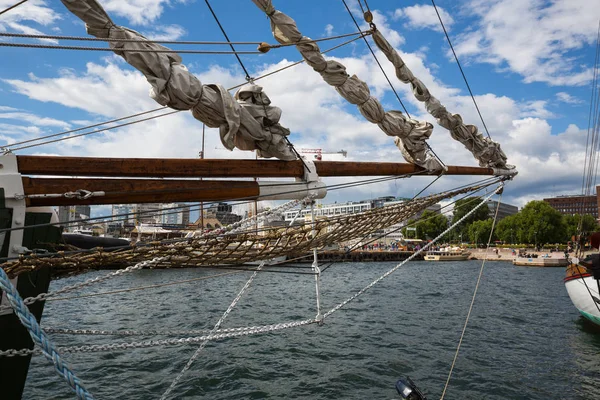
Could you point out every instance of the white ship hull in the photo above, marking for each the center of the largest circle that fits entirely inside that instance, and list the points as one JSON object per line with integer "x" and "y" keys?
{"x": 583, "y": 289}
{"x": 447, "y": 256}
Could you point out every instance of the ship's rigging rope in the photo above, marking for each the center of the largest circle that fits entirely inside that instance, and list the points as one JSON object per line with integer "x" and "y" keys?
{"x": 9, "y": 148}
{"x": 13, "y": 6}
{"x": 590, "y": 169}
{"x": 460, "y": 67}
{"x": 181, "y": 42}
{"x": 87, "y": 48}
{"x": 464, "y": 329}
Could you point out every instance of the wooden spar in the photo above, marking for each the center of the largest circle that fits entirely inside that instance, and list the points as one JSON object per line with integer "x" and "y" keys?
{"x": 217, "y": 168}
{"x": 129, "y": 191}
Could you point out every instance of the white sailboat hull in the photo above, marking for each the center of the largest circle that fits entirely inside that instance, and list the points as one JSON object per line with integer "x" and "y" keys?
{"x": 582, "y": 291}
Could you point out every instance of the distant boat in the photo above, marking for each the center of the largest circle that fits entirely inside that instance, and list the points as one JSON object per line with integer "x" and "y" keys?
{"x": 540, "y": 262}
{"x": 82, "y": 231}
{"x": 447, "y": 255}
{"x": 583, "y": 291}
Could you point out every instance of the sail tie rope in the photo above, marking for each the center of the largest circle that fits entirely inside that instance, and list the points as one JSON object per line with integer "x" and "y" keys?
{"x": 40, "y": 338}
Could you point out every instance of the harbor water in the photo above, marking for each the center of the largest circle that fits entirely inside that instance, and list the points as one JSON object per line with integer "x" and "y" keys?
{"x": 525, "y": 340}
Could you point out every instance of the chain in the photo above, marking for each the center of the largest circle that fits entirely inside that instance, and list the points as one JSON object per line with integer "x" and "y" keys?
{"x": 253, "y": 330}
{"x": 95, "y": 332}
{"x": 17, "y": 353}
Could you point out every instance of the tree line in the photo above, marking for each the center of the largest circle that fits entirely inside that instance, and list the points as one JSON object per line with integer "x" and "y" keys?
{"x": 537, "y": 223}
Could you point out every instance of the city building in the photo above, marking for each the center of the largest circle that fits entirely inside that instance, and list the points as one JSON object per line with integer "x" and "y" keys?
{"x": 218, "y": 215}
{"x": 392, "y": 233}
{"x": 578, "y": 204}
{"x": 123, "y": 214}
{"x": 175, "y": 214}
{"x": 504, "y": 211}
{"x": 330, "y": 210}
{"x": 148, "y": 213}
{"x": 73, "y": 214}
{"x": 151, "y": 213}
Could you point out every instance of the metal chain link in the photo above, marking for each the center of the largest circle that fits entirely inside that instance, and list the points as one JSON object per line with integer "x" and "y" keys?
{"x": 252, "y": 330}
{"x": 97, "y": 332}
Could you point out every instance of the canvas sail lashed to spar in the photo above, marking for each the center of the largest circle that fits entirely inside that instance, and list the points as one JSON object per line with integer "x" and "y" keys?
{"x": 248, "y": 124}
{"x": 485, "y": 150}
{"x": 410, "y": 135}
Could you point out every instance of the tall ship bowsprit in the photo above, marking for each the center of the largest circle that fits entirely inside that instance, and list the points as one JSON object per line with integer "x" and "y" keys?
{"x": 247, "y": 120}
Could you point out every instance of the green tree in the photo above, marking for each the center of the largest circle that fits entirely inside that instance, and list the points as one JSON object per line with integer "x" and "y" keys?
{"x": 463, "y": 207}
{"x": 431, "y": 224}
{"x": 479, "y": 231}
{"x": 428, "y": 226}
{"x": 508, "y": 229}
{"x": 588, "y": 225}
{"x": 539, "y": 223}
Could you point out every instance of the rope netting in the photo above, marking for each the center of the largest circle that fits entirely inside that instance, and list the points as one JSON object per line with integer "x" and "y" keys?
{"x": 235, "y": 248}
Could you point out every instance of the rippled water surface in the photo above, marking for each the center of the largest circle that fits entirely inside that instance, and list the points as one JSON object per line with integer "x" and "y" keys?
{"x": 525, "y": 340}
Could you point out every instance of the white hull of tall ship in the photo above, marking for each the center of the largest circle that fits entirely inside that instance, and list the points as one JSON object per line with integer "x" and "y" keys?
{"x": 583, "y": 291}
{"x": 447, "y": 255}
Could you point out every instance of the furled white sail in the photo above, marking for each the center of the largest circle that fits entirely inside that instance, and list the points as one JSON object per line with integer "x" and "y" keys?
{"x": 485, "y": 150}
{"x": 409, "y": 135}
{"x": 250, "y": 124}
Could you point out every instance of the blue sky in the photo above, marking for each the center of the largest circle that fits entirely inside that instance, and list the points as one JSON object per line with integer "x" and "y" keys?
{"x": 529, "y": 64}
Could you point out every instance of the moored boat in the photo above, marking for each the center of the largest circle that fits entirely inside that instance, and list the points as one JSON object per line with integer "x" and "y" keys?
{"x": 447, "y": 255}
{"x": 583, "y": 291}
{"x": 540, "y": 262}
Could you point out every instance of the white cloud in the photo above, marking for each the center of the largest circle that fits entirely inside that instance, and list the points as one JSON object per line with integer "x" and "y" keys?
{"x": 165, "y": 32}
{"x": 328, "y": 30}
{"x": 567, "y": 98}
{"x": 138, "y": 12}
{"x": 36, "y": 12}
{"x": 104, "y": 90}
{"x": 536, "y": 108}
{"x": 34, "y": 119}
{"x": 422, "y": 16}
{"x": 532, "y": 38}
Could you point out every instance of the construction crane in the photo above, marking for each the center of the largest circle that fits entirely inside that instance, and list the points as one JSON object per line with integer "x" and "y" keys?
{"x": 318, "y": 153}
